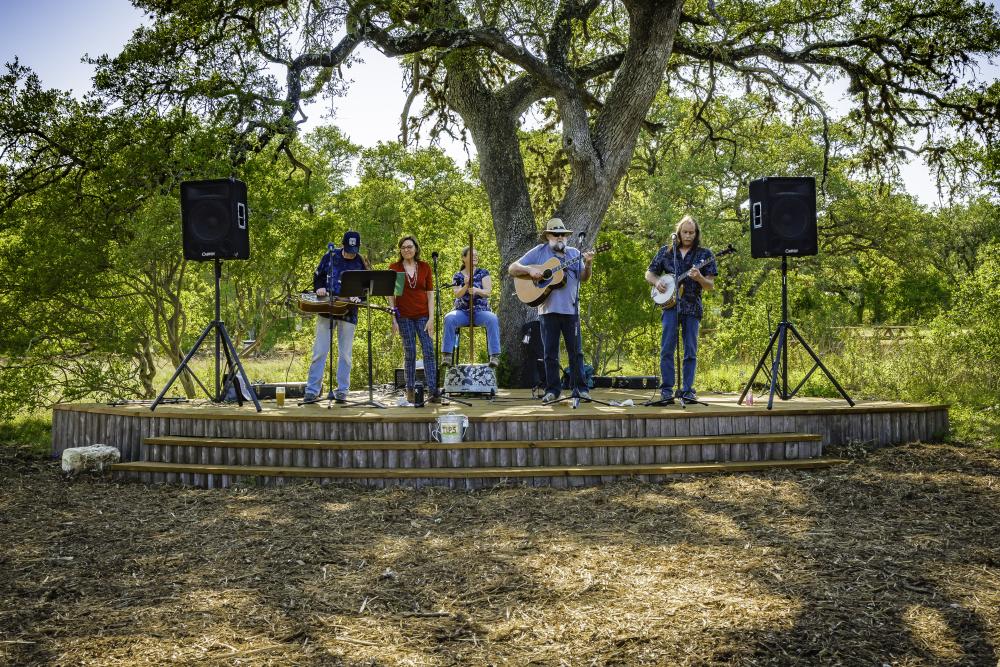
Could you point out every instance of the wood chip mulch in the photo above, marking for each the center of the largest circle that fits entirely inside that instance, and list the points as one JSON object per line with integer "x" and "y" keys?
{"x": 893, "y": 559}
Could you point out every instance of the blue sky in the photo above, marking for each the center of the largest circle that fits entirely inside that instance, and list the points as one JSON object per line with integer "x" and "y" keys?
{"x": 51, "y": 36}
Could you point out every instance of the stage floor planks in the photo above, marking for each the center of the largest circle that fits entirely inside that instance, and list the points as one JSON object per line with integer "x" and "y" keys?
{"x": 510, "y": 405}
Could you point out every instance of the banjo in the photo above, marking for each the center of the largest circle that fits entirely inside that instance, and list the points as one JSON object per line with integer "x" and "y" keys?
{"x": 669, "y": 297}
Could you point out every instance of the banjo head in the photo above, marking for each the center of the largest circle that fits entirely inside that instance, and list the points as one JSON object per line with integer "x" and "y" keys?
{"x": 660, "y": 298}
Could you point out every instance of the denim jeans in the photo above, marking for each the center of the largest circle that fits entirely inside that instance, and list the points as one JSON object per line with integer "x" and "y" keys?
{"x": 409, "y": 331}
{"x": 321, "y": 348}
{"x": 456, "y": 319}
{"x": 668, "y": 341}
{"x": 568, "y": 326}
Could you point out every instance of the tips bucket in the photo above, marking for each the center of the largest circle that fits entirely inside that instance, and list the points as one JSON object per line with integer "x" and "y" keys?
{"x": 450, "y": 428}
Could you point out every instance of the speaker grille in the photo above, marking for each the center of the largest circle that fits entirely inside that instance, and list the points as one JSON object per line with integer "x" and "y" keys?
{"x": 790, "y": 215}
{"x": 213, "y": 219}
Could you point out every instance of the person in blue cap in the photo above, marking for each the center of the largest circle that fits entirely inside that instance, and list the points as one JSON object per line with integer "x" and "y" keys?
{"x": 326, "y": 280}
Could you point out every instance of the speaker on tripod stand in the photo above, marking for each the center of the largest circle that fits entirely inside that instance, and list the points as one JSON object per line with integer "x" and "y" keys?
{"x": 214, "y": 227}
{"x": 783, "y": 217}
{"x": 783, "y": 224}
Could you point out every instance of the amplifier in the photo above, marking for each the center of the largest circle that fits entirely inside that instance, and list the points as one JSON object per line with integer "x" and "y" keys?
{"x": 635, "y": 382}
{"x": 401, "y": 378}
{"x": 265, "y": 390}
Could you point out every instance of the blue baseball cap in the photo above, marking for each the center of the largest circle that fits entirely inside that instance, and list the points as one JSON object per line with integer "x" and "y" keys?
{"x": 352, "y": 241}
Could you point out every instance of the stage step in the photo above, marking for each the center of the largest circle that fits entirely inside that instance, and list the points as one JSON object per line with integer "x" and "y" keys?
{"x": 479, "y": 454}
{"x": 215, "y": 476}
{"x": 411, "y": 445}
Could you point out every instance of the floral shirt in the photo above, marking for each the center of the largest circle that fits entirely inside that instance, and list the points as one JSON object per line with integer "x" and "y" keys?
{"x": 690, "y": 301}
{"x": 480, "y": 302}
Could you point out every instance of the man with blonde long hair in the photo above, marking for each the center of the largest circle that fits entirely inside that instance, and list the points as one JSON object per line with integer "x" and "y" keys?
{"x": 678, "y": 258}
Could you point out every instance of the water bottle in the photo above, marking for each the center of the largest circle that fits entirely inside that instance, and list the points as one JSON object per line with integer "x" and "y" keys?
{"x": 418, "y": 395}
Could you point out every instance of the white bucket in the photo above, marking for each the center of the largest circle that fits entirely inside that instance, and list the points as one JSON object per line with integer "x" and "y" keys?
{"x": 450, "y": 428}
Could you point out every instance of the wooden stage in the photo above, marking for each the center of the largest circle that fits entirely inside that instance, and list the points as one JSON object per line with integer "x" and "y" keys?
{"x": 512, "y": 439}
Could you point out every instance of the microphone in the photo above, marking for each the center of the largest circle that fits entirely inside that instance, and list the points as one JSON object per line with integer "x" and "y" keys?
{"x": 434, "y": 255}
{"x": 330, "y": 246}
{"x": 673, "y": 239}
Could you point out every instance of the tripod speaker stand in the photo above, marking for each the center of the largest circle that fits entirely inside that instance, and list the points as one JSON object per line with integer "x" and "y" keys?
{"x": 223, "y": 341}
{"x": 780, "y": 359}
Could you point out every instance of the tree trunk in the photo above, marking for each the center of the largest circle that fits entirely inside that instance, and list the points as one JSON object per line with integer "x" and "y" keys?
{"x": 494, "y": 131}
{"x": 598, "y": 157}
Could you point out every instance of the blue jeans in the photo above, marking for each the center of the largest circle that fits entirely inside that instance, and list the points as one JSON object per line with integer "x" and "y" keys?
{"x": 456, "y": 319}
{"x": 321, "y": 348}
{"x": 409, "y": 331}
{"x": 568, "y": 326}
{"x": 668, "y": 341}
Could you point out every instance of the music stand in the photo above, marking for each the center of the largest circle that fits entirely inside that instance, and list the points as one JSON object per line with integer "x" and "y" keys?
{"x": 367, "y": 284}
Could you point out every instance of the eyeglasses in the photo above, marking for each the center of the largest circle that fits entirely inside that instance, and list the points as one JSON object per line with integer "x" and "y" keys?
{"x": 407, "y": 247}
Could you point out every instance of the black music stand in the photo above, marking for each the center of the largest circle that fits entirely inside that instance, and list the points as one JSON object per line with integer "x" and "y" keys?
{"x": 366, "y": 284}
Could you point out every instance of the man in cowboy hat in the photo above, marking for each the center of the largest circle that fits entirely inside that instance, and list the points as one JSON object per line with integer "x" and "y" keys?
{"x": 559, "y": 314}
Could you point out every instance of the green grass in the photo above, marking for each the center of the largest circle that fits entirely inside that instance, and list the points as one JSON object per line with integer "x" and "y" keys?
{"x": 30, "y": 432}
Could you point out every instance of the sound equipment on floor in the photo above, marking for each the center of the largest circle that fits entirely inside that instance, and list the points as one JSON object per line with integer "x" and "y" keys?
{"x": 400, "y": 379}
{"x": 633, "y": 382}
{"x": 214, "y": 219}
{"x": 783, "y": 217}
{"x": 532, "y": 375}
{"x": 265, "y": 390}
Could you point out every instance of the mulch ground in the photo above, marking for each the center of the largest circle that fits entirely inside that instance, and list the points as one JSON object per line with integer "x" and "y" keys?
{"x": 893, "y": 559}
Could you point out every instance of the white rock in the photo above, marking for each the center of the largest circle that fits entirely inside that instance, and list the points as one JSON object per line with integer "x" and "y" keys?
{"x": 94, "y": 458}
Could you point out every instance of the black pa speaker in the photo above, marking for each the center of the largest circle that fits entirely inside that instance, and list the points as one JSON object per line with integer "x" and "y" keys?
{"x": 783, "y": 216}
{"x": 214, "y": 219}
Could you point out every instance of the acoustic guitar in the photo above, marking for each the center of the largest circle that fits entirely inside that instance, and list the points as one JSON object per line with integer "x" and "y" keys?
{"x": 673, "y": 293}
{"x": 534, "y": 292}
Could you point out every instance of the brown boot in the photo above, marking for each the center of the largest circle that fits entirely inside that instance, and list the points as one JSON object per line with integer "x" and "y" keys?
{"x": 409, "y": 395}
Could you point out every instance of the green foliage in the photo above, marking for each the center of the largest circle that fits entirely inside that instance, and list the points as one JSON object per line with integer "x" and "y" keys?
{"x": 29, "y": 431}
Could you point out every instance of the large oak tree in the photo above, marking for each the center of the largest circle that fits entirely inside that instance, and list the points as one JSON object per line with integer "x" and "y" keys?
{"x": 593, "y": 67}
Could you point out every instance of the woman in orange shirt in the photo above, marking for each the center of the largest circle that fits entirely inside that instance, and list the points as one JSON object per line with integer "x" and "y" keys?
{"x": 413, "y": 315}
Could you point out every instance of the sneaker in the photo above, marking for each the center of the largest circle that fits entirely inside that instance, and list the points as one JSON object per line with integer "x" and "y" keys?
{"x": 447, "y": 359}
{"x": 340, "y": 397}
{"x": 310, "y": 397}
{"x": 667, "y": 398}
{"x": 584, "y": 395}
{"x": 689, "y": 396}
{"x": 549, "y": 397}
{"x": 494, "y": 360}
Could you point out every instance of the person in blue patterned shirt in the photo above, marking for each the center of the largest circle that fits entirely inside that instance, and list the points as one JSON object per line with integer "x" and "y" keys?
{"x": 679, "y": 257}
{"x": 481, "y": 286}
{"x": 326, "y": 280}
